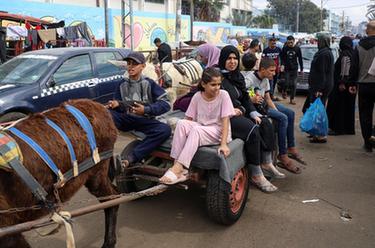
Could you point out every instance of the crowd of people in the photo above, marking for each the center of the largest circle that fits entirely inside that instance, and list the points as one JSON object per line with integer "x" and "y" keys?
{"x": 235, "y": 99}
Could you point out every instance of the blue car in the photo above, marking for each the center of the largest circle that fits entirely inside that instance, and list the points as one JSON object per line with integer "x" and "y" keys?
{"x": 38, "y": 80}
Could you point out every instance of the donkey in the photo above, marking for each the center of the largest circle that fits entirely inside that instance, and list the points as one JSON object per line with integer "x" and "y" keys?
{"x": 14, "y": 193}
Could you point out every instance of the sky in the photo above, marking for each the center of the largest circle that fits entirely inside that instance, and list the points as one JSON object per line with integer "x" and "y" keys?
{"x": 355, "y": 9}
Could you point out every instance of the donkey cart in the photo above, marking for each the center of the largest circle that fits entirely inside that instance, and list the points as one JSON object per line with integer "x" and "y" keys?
{"x": 226, "y": 180}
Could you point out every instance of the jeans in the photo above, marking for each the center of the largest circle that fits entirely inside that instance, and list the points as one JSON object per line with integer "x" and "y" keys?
{"x": 285, "y": 118}
{"x": 156, "y": 132}
{"x": 291, "y": 82}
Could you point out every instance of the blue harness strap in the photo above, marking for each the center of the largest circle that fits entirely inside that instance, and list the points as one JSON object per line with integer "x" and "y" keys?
{"x": 39, "y": 150}
{"x": 68, "y": 143}
{"x": 85, "y": 124}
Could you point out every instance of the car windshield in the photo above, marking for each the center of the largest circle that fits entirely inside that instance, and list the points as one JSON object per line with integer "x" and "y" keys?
{"x": 25, "y": 69}
{"x": 308, "y": 52}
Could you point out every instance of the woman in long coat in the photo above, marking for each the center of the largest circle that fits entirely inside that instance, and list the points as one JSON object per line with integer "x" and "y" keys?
{"x": 320, "y": 78}
{"x": 341, "y": 101}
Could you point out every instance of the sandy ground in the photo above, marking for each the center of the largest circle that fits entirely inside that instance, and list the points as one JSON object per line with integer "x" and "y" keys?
{"x": 338, "y": 173}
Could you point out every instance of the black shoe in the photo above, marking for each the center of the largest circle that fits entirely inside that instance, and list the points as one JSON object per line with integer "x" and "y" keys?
{"x": 367, "y": 147}
{"x": 332, "y": 133}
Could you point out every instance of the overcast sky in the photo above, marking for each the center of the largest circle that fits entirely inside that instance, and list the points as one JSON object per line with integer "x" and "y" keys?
{"x": 355, "y": 9}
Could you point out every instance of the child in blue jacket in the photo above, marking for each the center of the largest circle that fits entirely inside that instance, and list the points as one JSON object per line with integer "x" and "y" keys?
{"x": 136, "y": 102}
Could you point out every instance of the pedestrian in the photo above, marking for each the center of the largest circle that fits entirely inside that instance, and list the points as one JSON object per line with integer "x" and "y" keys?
{"x": 208, "y": 55}
{"x": 283, "y": 116}
{"x": 273, "y": 52}
{"x": 258, "y": 90}
{"x": 206, "y": 123}
{"x": 256, "y": 50}
{"x": 291, "y": 56}
{"x": 244, "y": 122}
{"x": 363, "y": 72}
{"x": 136, "y": 103}
{"x": 320, "y": 78}
{"x": 164, "y": 51}
{"x": 245, "y": 45}
{"x": 341, "y": 101}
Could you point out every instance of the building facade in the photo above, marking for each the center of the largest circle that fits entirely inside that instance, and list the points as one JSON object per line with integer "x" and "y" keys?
{"x": 160, "y": 6}
{"x": 332, "y": 23}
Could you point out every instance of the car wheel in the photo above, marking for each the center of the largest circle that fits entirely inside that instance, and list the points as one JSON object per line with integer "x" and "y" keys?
{"x": 12, "y": 116}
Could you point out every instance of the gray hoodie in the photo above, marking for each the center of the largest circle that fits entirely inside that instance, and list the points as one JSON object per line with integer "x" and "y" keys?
{"x": 363, "y": 58}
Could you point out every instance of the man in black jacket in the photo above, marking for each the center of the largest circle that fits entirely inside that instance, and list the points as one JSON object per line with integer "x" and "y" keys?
{"x": 289, "y": 56}
{"x": 164, "y": 51}
{"x": 363, "y": 73}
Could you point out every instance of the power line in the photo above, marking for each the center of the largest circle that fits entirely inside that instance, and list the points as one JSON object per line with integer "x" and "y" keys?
{"x": 351, "y": 6}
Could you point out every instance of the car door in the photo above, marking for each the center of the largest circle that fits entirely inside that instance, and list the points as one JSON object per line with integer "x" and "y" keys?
{"x": 73, "y": 79}
{"x": 109, "y": 75}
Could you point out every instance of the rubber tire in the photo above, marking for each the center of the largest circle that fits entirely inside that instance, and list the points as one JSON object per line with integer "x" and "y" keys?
{"x": 12, "y": 116}
{"x": 218, "y": 199}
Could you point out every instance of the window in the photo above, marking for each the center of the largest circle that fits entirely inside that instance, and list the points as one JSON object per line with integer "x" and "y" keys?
{"x": 74, "y": 69}
{"x": 25, "y": 69}
{"x": 155, "y": 1}
{"x": 104, "y": 67}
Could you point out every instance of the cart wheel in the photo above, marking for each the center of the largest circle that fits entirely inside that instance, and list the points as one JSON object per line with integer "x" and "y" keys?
{"x": 225, "y": 202}
{"x": 125, "y": 182}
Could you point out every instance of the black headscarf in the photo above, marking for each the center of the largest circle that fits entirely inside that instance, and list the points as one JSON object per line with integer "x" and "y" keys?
{"x": 346, "y": 43}
{"x": 346, "y": 50}
{"x": 235, "y": 77}
{"x": 324, "y": 40}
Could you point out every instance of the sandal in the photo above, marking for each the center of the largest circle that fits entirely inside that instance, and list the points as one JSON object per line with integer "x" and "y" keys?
{"x": 173, "y": 178}
{"x": 289, "y": 166}
{"x": 265, "y": 186}
{"x": 297, "y": 157}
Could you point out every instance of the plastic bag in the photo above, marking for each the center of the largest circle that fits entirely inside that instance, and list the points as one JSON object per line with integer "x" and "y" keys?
{"x": 315, "y": 120}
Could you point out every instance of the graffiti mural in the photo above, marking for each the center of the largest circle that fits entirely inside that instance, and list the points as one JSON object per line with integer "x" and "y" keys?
{"x": 147, "y": 27}
{"x": 211, "y": 32}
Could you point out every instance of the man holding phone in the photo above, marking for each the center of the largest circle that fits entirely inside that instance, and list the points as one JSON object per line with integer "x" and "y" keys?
{"x": 136, "y": 102}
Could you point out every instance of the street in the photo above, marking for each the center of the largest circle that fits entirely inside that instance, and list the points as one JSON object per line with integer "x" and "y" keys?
{"x": 340, "y": 174}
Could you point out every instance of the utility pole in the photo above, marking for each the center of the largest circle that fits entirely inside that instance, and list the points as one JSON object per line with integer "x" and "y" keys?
{"x": 321, "y": 15}
{"x": 297, "y": 21}
{"x": 106, "y": 22}
{"x": 124, "y": 15}
{"x": 191, "y": 19}
{"x": 178, "y": 20}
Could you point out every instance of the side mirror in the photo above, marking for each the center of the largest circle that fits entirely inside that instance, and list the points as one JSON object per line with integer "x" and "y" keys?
{"x": 51, "y": 82}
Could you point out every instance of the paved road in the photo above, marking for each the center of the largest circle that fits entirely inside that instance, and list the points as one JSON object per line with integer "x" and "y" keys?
{"x": 339, "y": 173}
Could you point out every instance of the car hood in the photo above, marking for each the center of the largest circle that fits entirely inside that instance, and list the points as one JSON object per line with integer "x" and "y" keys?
{"x": 5, "y": 87}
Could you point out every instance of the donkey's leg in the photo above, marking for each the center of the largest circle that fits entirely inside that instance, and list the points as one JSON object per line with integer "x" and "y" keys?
{"x": 14, "y": 241}
{"x": 100, "y": 185}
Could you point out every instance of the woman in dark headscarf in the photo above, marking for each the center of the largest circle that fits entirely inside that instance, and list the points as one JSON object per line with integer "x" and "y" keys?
{"x": 341, "y": 101}
{"x": 320, "y": 78}
{"x": 242, "y": 125}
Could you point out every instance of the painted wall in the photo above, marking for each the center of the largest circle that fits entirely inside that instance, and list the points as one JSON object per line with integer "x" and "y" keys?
{"x": 147, "y": 25}
{"x": 211, "y": 32}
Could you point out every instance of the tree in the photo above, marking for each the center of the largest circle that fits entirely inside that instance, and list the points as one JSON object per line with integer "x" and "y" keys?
{"x": 371, "y": 11}
{"x": 285, "y": 12}
{"x": 208, "y": 10}
{"x": 241, "y": 17}
{"x": 264, "y": 21}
